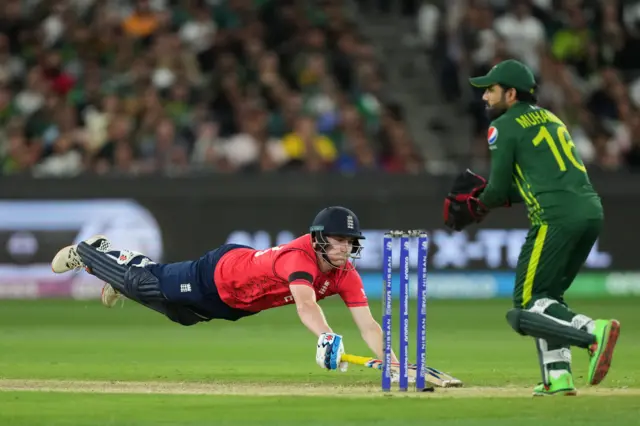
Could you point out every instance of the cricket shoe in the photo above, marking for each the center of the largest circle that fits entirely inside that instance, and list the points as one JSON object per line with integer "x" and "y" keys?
{"x": 67, "y": 259}
{"x": 561, "y": 385}
{"x": 110, "y": 296}
{"x": 601, "y": 352}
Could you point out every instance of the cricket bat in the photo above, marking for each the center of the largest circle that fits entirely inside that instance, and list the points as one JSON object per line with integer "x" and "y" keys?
{"x": 433, "y": 376}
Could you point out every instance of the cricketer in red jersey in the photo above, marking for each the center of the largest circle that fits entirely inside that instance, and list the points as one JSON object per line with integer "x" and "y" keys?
{"x": 256, "y": 280}
{"x": 234, "y": 281}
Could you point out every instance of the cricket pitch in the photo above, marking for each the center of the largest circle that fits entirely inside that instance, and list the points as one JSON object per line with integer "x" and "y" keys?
{"x": 262, "y": 389}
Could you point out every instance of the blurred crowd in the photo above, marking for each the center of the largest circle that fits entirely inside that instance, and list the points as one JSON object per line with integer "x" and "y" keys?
{"x": 585, "y": 54}
{"x": 173, "y": 86}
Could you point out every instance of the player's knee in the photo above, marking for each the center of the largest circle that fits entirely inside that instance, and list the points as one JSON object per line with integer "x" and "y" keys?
{"x": 142, "y": 285}
{"x": 513, "y": 318}
{"x": 539, "y": 304}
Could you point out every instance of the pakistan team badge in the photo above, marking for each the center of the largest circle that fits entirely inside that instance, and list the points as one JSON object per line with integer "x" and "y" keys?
{"x": 492, "y": 135}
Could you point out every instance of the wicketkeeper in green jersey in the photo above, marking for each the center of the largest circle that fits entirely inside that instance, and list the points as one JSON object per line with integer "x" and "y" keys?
{"x": 533, "y": 160}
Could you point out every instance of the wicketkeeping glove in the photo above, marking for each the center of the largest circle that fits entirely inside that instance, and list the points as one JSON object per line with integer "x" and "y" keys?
{"x": 461, "y": 206}
{"x": 329, "y": 351}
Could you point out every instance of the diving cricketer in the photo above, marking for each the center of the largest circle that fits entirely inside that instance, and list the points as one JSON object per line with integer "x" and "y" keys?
{"x": 235, "y": 281}
{"x": 533, "y": 160}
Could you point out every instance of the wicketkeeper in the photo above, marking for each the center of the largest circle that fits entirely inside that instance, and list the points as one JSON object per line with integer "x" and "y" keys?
{"x": 533, "y": 160}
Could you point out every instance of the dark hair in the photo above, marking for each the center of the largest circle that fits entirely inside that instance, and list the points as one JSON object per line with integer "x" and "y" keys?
{"x": 528, "y": 97}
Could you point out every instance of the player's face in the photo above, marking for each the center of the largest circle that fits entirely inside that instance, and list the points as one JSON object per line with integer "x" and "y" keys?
{"x": 497, "y": 102}
{"x": 339, "y": 249}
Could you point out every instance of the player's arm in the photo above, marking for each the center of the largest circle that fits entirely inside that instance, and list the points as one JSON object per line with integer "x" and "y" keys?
{"x": 500, "y": 182}
{"x": 329, "y": 348}
{"x": 300, "y": 271}
{"x": 370, "y": 331}
{"x": 307, "y": 307}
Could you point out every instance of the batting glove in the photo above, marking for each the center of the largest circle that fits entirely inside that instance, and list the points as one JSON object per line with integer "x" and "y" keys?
{"x": 329, "y": 351}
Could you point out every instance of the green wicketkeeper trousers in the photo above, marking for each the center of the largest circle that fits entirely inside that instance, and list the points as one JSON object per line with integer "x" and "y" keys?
{"x": 550, "y": 259}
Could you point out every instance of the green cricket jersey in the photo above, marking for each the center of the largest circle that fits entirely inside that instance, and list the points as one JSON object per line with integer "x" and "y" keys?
{"x": 532, "y": 153}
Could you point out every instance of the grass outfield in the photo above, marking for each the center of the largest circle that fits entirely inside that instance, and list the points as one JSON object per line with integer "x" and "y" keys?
{"x": 77, "y": 363}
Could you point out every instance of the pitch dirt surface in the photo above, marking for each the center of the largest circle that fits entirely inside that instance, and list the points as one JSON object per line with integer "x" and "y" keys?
{"x": 262, "y": 389}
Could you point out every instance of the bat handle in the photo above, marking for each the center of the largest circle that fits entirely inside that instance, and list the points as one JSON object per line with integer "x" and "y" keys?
{"x": 355, "y": 359}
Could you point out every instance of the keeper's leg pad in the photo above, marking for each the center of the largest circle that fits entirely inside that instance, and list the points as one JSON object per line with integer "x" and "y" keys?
{"x": 542, "y": 326}
{"x": 541, "y": 347}
{"x": 554, "y": 358}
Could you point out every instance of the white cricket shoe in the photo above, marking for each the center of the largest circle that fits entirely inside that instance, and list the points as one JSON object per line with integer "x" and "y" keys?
{"x": 67, "y": 259}
{"x": 110, "y": 296}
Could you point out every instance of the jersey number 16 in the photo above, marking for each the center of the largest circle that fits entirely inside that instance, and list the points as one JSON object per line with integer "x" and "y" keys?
{"x": 566, "y": 143}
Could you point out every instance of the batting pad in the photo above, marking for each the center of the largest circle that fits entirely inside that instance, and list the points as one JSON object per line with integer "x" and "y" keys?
{"x": 106, "y": 267}
{"x": 103, "y": 266}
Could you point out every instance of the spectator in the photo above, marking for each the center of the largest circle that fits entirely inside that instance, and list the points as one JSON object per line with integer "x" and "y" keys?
{"x": 522, "y": 33}
{"x": 305, "y": 147}
{"x": 198, "y": 32}
{"x": 65, "y": 158}
{"x": 18, "y": 155}
{"x": 632, "y": 154}
{"x": 11, "y": 67}
{"x": 143, "y": 22}
{"x": 8, "y": 109}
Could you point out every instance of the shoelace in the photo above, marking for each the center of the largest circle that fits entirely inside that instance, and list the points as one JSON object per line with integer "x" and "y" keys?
{"x": 73, "y": 261}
